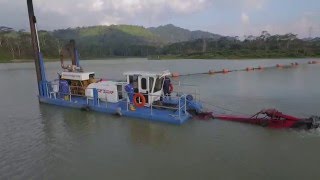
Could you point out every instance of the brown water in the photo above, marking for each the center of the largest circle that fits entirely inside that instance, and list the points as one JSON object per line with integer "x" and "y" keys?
{"x": 39, "y": 141}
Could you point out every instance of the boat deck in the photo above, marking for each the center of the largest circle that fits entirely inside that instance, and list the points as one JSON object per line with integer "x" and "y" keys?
{"x": 121, "y": 108}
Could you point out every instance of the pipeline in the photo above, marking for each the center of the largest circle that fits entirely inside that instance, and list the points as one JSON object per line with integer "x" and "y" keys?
{"x": 270, "y": 118}
{"x": 247, "y": 69}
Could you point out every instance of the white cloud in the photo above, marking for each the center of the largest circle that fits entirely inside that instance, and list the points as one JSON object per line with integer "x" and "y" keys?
{"x": 97, "y": 5}
{"x": 228, "y": 17}
{"x": 245, "y": 18}
{"x": 254, "y": 4}
{"x": 183, "y": 6}
{"x": 78, "y": 12}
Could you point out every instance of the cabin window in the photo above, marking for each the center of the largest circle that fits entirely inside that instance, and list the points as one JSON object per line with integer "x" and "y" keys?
{"x": 151, "y": 80}
{"x": 143, "y": 83}
{"x": 119, "y": 89}
{"x": 158, "y": 85}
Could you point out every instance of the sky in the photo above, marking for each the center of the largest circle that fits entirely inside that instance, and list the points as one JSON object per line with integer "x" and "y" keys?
{"x": 225, "y": 17}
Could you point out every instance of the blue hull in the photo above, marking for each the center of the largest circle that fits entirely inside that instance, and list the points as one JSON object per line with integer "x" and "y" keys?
{"x": 146, "y": 113}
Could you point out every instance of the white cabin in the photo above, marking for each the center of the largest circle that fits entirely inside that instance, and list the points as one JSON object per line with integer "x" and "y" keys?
{"x": 149, "y": 84}
{"x": 109, "y": 91}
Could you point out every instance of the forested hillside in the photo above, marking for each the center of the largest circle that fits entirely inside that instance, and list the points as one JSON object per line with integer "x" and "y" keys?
{"x": 263, "y": 46}
{"x": 172, "y": 34}
{"x": 161, "y": 42}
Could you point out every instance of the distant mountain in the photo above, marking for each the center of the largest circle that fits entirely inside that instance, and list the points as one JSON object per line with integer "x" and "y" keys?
{"x": 114, "y": 40}
{"x": 113, "y": 34}
{"x": 172, "y": 34}
{"x": 99, "y": 41}
{"x": 127, "y": 40}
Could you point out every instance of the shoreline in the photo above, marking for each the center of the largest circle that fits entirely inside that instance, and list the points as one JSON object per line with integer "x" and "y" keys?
{"x": 176, "y": 57}
{"x": 166, "y": 58}
{"x": 56, "y": 60}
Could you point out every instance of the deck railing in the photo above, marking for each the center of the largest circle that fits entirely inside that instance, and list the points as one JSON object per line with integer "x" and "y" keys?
{"x": 54, "y": 93}
{"x": 187, "y": 89}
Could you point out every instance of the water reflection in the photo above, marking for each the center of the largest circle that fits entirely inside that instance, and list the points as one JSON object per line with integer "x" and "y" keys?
{"x": 63, "y": 142}
{"x": 147, "y": 133}
{"x": 65, "y": 123}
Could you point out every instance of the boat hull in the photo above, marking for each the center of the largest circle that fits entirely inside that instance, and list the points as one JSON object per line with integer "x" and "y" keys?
{"x": 120, "y": 108}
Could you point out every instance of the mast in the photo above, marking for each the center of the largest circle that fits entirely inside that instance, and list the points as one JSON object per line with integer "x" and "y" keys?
{"x": 38, "y": 60}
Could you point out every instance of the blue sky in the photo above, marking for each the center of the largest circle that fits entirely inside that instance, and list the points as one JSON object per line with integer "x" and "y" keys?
{"x": 251, "y": 17}
{"x": 226, "y": 17}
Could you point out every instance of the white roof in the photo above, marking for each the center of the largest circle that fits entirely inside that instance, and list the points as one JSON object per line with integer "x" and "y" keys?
{"x": 147, "y": 73}
{"x": 76, "y": 75}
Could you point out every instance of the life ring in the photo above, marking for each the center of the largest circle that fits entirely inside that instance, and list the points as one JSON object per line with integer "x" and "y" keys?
{"x": 142, "y": 100}
{"x": 170, "y": 88}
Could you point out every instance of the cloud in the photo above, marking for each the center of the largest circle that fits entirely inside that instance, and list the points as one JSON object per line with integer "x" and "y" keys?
{"x": 254, "y": 4}
{"x": 228, "y": 17}
{"x": 90, "y": 12}
{"x": 245, "y": 18}
{"x": 184, "y": 6}
{"x": 97, "y": 5}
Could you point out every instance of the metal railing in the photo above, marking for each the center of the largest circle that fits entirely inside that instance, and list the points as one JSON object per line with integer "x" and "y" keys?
{"x": 187, "y": 89}
{"x": 180, "y": 108}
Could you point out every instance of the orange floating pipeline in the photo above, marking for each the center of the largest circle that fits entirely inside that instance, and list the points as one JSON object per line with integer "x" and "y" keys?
{"x": 225, "y": 71}
{"x": 211, "y": 72}
{"x": 313, "y": 62}
{"x": 260, "y": 67}
{"x": 293, "y": 64}
{"x": 175, "y": 74}
{"x": 249, "y": 69}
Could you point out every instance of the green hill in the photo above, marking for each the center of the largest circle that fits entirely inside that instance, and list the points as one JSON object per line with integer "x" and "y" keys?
{"x": 172, "y": 34}
{"x": 114, "y": 40}
{"x": 169, "y": 41}
{"x": 98, "y": 41}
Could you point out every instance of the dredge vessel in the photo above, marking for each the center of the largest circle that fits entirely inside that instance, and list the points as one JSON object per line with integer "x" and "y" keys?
{"x": 143, "y": 95}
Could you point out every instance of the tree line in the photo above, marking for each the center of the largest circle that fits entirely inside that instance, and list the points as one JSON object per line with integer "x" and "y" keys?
{"x": 16, "y": 44}
{"x": 263, "y": 46}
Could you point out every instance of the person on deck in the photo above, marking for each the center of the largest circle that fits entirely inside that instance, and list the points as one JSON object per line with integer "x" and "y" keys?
{"x": 130, "y": 91}
{"x": 166, "y": 86}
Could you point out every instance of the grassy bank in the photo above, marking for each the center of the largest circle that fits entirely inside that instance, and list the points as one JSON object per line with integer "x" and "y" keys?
{"x": 5, "y": 59}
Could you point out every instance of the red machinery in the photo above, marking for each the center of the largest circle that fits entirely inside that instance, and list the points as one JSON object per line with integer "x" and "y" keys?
{"x": 274, "y": 119}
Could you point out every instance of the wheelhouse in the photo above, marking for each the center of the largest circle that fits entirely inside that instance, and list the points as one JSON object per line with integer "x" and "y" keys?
{"x": 150, "y": 84}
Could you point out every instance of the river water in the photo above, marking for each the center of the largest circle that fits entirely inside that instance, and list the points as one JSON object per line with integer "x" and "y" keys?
{"x": 39, "y": 141}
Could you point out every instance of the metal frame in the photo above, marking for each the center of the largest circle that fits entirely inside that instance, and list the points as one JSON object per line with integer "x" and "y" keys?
{"x": 181, "y": 106}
